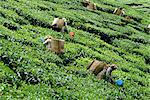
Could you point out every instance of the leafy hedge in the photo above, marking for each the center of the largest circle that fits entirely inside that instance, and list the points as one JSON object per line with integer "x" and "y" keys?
{"x": 29, "y": 71}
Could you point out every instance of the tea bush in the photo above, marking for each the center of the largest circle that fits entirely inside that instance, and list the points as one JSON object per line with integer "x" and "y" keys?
{"x": 29, "y": 71}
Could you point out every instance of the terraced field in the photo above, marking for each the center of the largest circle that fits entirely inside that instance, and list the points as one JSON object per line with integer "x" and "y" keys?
{"x": 29, "y": 71}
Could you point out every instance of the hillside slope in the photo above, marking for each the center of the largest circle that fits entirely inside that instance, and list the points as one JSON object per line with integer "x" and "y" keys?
{"x": 29, "y": 71}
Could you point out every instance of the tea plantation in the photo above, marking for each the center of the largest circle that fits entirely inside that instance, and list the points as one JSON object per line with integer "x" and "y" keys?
{"x": 29, "y": 71}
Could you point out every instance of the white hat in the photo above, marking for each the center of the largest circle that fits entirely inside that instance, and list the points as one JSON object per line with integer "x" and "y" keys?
{"x": 64, "y": 19}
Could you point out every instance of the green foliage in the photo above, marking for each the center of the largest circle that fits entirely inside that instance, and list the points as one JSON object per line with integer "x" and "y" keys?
{"x": 29, "y": 71}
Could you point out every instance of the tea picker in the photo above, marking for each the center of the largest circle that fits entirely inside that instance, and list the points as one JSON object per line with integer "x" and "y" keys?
{"x": 89, "y": 5}
{"x": 55, "y": 45}
{"x": 47, "y": 41}
{"x": 102, "y": 70}
{"x": 119, "y": 11}
{"x": 60, "y": 25}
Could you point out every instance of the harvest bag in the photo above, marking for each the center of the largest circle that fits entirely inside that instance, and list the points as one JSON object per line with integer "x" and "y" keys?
{"x": 96, "y": 66}
{"x": 57, "y": 45}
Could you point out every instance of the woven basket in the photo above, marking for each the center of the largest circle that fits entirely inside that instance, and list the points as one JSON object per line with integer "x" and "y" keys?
{"x": 57, "y": 45}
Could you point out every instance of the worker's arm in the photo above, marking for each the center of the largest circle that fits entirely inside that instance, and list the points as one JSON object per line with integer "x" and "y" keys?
{"x": 48, "y": 40}
{"x": 109, "y": 76}
{"x": 115, "y": 11}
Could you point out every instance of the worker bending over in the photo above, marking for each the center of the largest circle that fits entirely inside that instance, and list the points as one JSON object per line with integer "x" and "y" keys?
{"x": 60, "y": 25}
{"x": 89, "y": 5}
{"x": 119, "y": 11}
